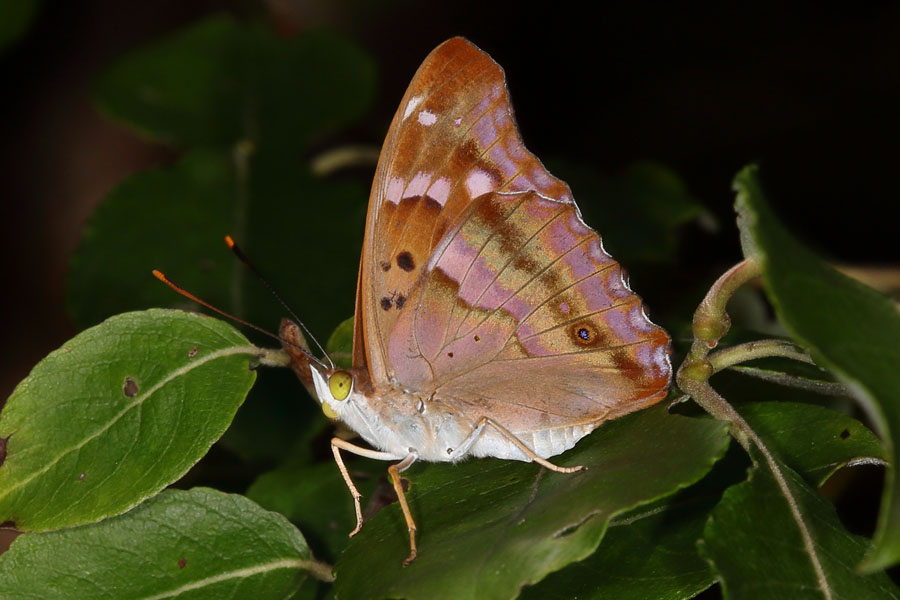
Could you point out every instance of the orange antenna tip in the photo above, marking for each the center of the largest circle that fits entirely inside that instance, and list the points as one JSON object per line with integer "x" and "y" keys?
{"x": 229, "y": 241}
{"x": 159, "y": 275}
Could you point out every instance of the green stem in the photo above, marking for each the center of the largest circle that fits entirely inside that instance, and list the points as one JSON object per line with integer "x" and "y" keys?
{"x": 734, "y": 355}
{"x": 343, "y": 157}
{"x": 711, "y": 321}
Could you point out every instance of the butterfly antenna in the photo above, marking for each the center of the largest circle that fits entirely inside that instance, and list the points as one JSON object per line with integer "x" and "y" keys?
{"x": 161, "y": 276}
{"x": 243, "y": 258}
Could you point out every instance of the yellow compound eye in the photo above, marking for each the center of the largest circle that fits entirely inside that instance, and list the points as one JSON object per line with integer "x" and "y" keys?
{"x": 340, "y": 384}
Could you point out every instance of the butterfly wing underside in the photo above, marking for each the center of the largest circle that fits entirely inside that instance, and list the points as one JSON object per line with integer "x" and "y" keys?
{"x": 479, "y": 282}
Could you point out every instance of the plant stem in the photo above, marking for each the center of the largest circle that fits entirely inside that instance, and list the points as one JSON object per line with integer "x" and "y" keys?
{"x": 729, "y": 357}
{"x": 711, "y": 321}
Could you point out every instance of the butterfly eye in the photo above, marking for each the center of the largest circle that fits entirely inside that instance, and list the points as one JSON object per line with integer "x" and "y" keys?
{"x": 340, "y": 384}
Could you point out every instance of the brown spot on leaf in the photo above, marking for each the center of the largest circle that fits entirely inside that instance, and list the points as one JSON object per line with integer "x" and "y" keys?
{"x": 386, "y": 303}
{"x": 3, "y": 442}
{"x": 385, "y": 266}
{"x": 845, "y": 434}
{"x": 130, "y": 389}
{"x": 192, "y": 353}
{"x": 182, "y": 562}
{"x": 405, "y": 261}
{"x": 400, "y": 301}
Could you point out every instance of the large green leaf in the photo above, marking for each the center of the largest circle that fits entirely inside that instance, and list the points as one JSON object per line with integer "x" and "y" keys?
{"x": 194, "y": 544}
{"x": 638, "y": 213}
{"x": 220, "y": 81}
{"x": 488, "y": 527}
{"x": 813, "y": 440}
{"x": 775, "y": 537}
{"x": 316, "y": 499}
{"x": 650, "y": 552}
{"x": 119, "y": 412}
{"x": 850, "y": 329}
{"x": 647, "y": 554}
{"x": 174, "y": 219}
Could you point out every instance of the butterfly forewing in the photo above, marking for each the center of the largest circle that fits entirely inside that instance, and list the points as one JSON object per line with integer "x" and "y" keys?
{"x": 452, "y": 140}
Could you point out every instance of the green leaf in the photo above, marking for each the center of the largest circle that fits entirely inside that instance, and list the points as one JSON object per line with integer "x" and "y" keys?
{"x": 647, "y": 554}
{"x": 220, "y": 81}
{"x": 16, "y": 17}
{"x": 488, "y": 527}
{"x": 340, "y": 344}
{"x": 200, "y": 543}
{"x": 850, "y": 329}
{"x": 775, "y": 537}
{"x": 812, "y": 440}
{"x": 174, "y": 219}
{"x": 316, "y": 499}
{"x": 651, "y": 551}
{"x": 638, "y": 212}
{"x": 116, "y": 414}
{"x": 277, "y": 419}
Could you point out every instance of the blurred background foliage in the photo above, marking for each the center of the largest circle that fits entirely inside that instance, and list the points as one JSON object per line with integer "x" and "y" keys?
{"x": 136, "y": 136}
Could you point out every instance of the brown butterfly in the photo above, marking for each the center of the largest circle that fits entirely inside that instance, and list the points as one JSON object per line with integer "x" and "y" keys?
{"x": 489, "y": 319}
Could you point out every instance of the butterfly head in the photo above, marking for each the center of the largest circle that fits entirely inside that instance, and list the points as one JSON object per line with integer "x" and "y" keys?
{"x": 334, "y": 387}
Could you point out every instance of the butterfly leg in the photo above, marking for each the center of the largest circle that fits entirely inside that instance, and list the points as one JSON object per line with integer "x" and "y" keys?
{"x": 484, "y": 422}
{"x": 395, "y": 471}
{"x": 337, "y": 444}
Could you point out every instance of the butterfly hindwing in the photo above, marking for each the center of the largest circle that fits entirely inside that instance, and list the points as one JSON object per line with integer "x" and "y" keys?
{"x": 522, "y": 316}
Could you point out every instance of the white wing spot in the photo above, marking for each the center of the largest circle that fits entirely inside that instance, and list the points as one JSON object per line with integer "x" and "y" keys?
{"x": 478, "y": 182}
{"x": 394, "y": 189}
{"x": 418, "y": 185}
{"x": 427, "y": 118}
{"x": 412, "y": 104}
{"x": 439, "y": 190}
{"x": 457, "y": 121}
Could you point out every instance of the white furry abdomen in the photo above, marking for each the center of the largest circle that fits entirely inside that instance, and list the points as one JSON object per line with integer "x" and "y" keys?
{"x": 436, "y": 433}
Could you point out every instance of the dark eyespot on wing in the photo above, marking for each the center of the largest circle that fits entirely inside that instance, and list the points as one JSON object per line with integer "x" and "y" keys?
{"x": 584, "y": 333}
{"x": 399, "y": 301}
{"x": 385, "y": 266}
{"x": 405, "y": 261}
{"x": 386, "y": 303}
{"x": 130, "y": 388}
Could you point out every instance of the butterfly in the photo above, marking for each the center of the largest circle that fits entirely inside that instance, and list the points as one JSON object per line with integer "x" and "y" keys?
{"x": 490, "y": 321}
